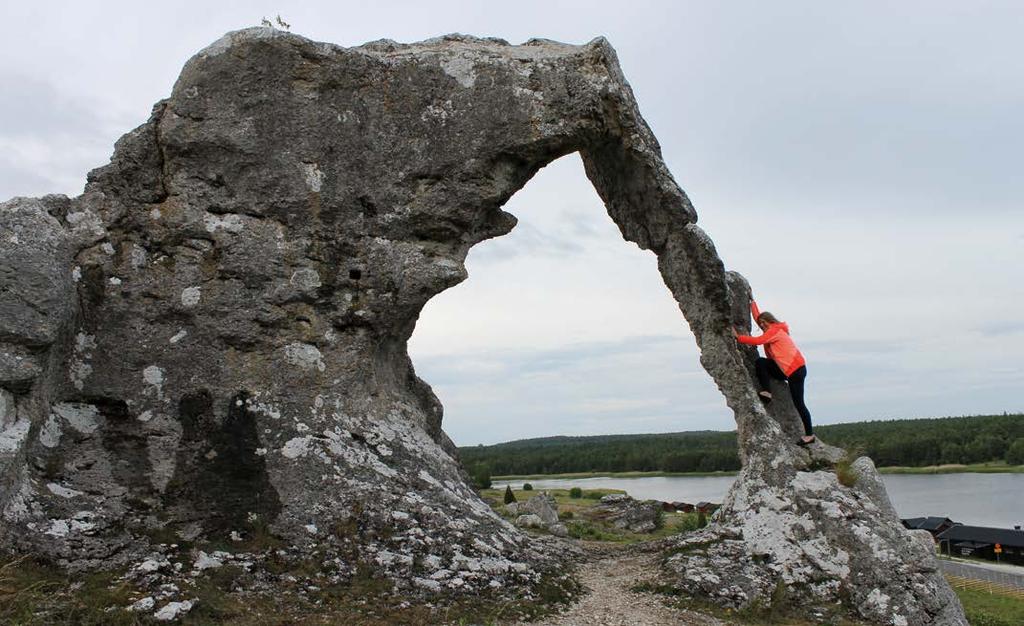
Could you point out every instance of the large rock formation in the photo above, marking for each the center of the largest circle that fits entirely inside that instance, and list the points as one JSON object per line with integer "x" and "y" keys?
{"x": 810, "y": 529}
{"x": 211, "y": 340}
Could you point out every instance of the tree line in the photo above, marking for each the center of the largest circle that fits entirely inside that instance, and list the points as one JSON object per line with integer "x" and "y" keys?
{"x": 914, "y": 443}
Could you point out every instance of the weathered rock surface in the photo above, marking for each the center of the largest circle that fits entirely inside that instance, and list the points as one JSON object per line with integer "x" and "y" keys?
{"x": 540, "y": 511}
{"x": 638, "y": 516}
{"x": 789, "y": 523}
{"x": 543, "y": 506}
{"x": 210, "y": 342}
{"x": 529, "y": 520}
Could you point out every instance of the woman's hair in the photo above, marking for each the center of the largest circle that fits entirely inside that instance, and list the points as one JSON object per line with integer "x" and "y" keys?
{"x": 767, "y": 318}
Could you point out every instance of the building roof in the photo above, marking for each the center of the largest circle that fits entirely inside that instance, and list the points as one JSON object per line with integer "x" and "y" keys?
{"x": 927, "y": 523}
{"x": 984, "y": 534}
{"x": 934, "y": 523}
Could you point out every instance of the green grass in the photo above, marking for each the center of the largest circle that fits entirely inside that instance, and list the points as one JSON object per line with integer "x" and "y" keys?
{"x": 31, "y": 593}
{"x": 985, "y": 609}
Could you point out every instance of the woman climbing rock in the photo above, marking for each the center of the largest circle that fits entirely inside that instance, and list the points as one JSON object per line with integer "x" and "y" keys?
{"x": 784, "y": 362}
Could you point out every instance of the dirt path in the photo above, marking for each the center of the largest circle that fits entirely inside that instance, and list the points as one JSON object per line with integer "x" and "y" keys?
{"x": 609, "y": 574}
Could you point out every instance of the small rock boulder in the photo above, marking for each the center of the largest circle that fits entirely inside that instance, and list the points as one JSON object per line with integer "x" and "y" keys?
{"x": 543, "y": 506}
{"x": 205, "y": 562}
{"x": 628, "y": 514}
{"x": 529, "y": 520}
{"x": 172, "y": 611}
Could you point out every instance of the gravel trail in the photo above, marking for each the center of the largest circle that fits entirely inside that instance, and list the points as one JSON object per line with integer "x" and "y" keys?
{"x": 608, "y": 575}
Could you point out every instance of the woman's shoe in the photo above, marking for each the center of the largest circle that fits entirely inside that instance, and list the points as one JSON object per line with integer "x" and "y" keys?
{"x": 806, "y": 442}
{"x": 766, "y": 396}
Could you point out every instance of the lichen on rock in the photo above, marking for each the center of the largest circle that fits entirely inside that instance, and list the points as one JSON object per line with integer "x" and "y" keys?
{"x": 211, "y": 341}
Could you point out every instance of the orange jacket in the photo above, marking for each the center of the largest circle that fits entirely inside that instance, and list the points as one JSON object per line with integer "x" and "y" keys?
{"x": 778, "y": 345}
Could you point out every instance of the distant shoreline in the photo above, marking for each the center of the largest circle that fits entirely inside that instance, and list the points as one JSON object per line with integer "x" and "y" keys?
{"x": 976, "y": 468}
{"x": 609, "y": 475}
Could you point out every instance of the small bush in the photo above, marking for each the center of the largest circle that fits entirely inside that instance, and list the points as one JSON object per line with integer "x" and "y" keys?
{"x": 659, "y": 519}
{"x": 225, "y": 578}
{"x": 566, "y": 515}
{"x": 702, "y": 519}
{"x": 527, "y": 487}
{"x": 575, "y": 492}
{"x": 582, "y": 530}
{"x": 688, "y": 522}
{"x": 482, "y": 476}
{"x": 845, "y": 472}
{"x": 509, "y": 496}
{"x": 780, "y": 597}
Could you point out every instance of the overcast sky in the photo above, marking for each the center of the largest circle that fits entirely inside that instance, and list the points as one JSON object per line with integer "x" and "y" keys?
{"x": 859, "y": 162}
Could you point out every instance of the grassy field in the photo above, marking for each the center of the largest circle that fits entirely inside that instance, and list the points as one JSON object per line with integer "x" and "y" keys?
{"x": 991, "y": 609}
{"x": 573, "y": 513}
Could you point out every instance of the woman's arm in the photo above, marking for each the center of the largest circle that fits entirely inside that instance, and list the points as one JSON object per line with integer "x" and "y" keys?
{"x": 767, "y": 337}
{"x": 756, "y": 312}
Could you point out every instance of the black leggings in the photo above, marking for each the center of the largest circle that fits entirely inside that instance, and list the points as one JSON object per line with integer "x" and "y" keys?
{"x": 767, "y": 369}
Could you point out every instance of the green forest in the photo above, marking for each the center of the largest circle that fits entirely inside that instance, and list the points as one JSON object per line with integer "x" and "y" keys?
{"x": 913, "y": 443}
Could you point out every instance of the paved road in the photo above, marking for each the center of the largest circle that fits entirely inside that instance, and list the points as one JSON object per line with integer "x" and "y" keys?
{"x": 980, "y": 572}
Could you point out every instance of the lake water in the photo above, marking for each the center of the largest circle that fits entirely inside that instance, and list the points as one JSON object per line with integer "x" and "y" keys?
{"x": 978, "y": 499}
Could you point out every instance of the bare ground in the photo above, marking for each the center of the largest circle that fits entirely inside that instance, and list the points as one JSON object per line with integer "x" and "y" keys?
{"x": 609, "y": 574}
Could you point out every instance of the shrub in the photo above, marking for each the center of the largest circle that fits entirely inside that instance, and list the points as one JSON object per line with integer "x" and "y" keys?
{"x": 509, "y": 496}
{"x": 482, "y": 477}
{"x": 845, "y": 472}
{"x": 576, "y": 492}
{"x": 688, "y": 522}
{"x": 580, "y": 529}
{"x": 659, "y": 519}
{"x": 702, "y": 519}
{"x": 527, "y": 487}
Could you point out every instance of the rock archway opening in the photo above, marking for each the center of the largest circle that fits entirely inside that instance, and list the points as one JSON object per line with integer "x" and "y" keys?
{"x": 561, "y": 328}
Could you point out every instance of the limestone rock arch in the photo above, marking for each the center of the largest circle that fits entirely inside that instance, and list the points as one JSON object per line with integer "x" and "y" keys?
{"x": 212, "y": 338}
